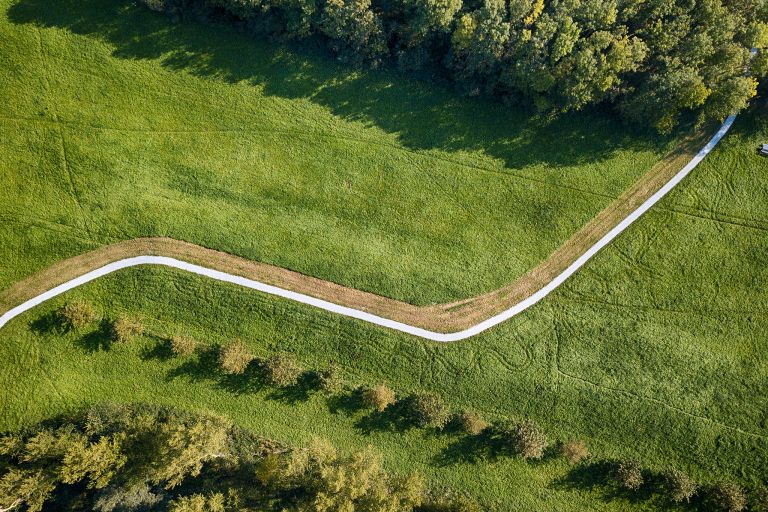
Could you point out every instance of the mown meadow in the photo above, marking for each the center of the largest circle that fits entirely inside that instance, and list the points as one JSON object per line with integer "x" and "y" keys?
{"x": 655, "y": 350}
{"x": 119, "y": 124}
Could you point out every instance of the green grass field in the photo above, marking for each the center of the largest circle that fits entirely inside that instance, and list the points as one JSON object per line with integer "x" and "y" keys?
{"x": 118, "y": 124}
{"x": 655, "y": 350}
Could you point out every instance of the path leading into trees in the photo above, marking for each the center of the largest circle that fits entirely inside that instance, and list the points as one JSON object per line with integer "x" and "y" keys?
{"x": 441, "y": 322}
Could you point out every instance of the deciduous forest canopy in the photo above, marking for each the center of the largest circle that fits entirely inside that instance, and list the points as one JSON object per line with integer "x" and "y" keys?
{"x": 651, "y": 60}
{"x": 141, "y": 457}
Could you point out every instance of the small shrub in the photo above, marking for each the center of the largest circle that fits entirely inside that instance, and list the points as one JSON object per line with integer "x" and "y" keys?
{"x": 379, "y": 397}
{"x": 330, "y": 379}
{"x": 472, "y": 422}
{"x": 680, "y": 486}
{"x": 234, "y": 357}
{"x": 428, "y": 409}
{"x": 77, "y": 314}
{"x": 629, "y": 474}
{"x": 529, "y": 440}
{"x": 182, "y": 345}
{"x": 125, "y": 328}
{"x": 282, "y": 370}
{"x": 575, "y": 451}
{"x": 728, "y": 497}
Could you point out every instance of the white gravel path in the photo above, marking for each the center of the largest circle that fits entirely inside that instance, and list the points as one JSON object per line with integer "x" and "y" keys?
{"x": 374, "y": 319}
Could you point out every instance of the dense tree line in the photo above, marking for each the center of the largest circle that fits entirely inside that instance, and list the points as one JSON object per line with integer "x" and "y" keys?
{"x": 651, "y": 60}
{"x": 118, "y": 457}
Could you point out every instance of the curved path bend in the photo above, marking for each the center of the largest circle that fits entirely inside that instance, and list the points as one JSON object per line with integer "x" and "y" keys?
{"x": 442, "y": 322}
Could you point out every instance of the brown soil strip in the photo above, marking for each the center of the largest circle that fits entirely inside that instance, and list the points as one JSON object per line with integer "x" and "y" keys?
{"x": 450, "y": 317}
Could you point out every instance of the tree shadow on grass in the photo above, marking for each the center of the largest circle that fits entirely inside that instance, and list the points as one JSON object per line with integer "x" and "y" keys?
{"x": 93, "y": 337}
{"x": 470, "y": 449}
{"x": 490, "y": 444}
{"x": 423, "y": 116}
{"x": 161, "y": 350}
{"x": 588, "y": 476}
{"x": 384, "y": 421}
{"x": 598, "y": 477}
{"x": 551, "y": 453}
{"x": 299, "y": 392}
{"x": 395, "y": 418}
{"x": 203, "y": 365}
{"x": 100, "y": 338}
{"x": 347, "y": 402}
{"x": 49, "y": 323}
{"x": 250, "y": 381}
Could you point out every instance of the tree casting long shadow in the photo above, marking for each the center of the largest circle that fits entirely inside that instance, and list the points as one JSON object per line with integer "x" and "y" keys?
{"x": 598, "y": 476}
{"x": 204, "y": 366}
{"x": 422, "y": 116}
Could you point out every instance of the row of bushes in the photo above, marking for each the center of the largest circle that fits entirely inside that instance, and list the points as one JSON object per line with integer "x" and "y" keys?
{"x": 680, "y": 488}
{"x": 422, "y": 409}
{"x": 650, "y": 60}
{"x": 425, "y": 409}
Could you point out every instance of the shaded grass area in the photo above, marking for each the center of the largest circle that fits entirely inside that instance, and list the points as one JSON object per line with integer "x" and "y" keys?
{"x": 120, "y": 124}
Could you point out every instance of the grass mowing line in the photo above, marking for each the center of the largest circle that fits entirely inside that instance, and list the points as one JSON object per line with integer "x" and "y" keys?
{"x": 662, "y": 403}
{"x": 585, "y": 299}
{"x": 415, "y": 320}
{"x": 506, "y": 173}
{"x": 70, "y": 179}
{"x": 637, "y": 396}
{"x": 715, "y": 218}
{"x": 59, "y": 131}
